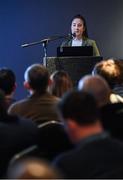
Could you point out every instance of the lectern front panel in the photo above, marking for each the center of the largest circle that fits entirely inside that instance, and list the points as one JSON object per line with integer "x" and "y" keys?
{"x": 76, "y": 67}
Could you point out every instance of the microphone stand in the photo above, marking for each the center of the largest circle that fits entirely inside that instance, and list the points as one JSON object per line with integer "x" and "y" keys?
{"x": 44, "y": 43}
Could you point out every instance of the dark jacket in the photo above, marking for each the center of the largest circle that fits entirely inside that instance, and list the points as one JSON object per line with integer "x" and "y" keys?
{"x": 98, "y": 156}
{"x": 15, "y": 135}
{"x": 112, "y": 119}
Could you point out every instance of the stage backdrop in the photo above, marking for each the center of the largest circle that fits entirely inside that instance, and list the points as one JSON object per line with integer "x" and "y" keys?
{"x": 26, "y": 21}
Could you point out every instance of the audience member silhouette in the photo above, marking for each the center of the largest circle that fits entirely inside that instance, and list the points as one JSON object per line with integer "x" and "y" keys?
{"x": 112, "y": 71}
{"x": 111, "y": 113}
{"x": 97, "y": 86}
{"x": 53, "y": 140}
{"x": 40, "y": 105}
{"x": 32, "y": 168}
{"x": 8, "y": 84}
{"x": 15, "y": 135}
{"x": 96, "y": 154}
{"x": 61, "y": 83}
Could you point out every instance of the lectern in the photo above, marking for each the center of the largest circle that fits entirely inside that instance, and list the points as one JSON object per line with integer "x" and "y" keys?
{"x": 76, "y": 67}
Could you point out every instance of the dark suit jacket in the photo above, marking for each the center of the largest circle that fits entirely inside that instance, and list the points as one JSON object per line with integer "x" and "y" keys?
{"x": 112, "y": 119}
{"x": 15, "y": 135}
{"x": 95, "y": 157}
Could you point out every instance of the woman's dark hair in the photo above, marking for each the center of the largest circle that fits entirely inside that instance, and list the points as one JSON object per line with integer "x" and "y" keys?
{"x": 4, "y": 116}
{"x": 3, "y": 108}
{"x": 61, "y": 83}
{"x": 7, "y": 80}
{"x": 79, "y": 16}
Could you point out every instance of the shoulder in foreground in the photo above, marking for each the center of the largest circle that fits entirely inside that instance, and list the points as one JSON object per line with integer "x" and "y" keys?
{"x": 16, "y": 104}
{"x": 64, "y": 156}
{"x": 19, "y": 102}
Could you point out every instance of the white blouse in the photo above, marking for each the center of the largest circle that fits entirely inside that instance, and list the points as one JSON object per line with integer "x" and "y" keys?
{"x": 76, "y": 42}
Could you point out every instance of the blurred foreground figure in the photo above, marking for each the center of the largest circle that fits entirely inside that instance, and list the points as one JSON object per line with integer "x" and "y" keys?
{"x": 32, "y": 168}
{"x": 96, "y": 154}
{"x": 16, "y": 134}
{"x": 111, "y": 113}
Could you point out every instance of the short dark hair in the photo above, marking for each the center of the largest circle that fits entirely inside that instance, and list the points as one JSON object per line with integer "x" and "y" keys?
{"x": 38, "y": 77}
{"x": 80, "y": 106}
{"x": 79, "y": 16}
{"x": 7, "y": 80}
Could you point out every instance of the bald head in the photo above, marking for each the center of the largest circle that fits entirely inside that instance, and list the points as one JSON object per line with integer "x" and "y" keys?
{"x": 97, "y": 86}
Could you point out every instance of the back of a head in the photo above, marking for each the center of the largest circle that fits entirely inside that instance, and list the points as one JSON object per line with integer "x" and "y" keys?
{"x": 37, "y": 76}
{"x": 7, "y": 80}
{"x": 110, "y": 70}
{"x": 97, "y": 86}
{"x": 61, "y": 83}
{"x": 3, "y": 109}
{"x": 32, "y": 168}
{"x": 80, "y": 106}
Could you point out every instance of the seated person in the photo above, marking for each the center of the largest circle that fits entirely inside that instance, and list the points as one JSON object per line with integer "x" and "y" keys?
{"x": 112, "y": 71}
{"x": 111, "y": 113}
{"x": 15, "y": 135}
{"x": 97, "y": 86}
{"x": 96, "y": 154}
{"x": 60, "y": 83}
{"x": 8, "y": 84}
{"x": 32, "y": 168}
{"x": 40, "y": 105}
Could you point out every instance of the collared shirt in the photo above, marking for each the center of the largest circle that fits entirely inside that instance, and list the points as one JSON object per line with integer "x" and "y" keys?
{"x": 76, "y": 42}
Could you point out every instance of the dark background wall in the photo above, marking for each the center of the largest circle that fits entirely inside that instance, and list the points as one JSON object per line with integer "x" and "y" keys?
{"x": 25, "y": 21}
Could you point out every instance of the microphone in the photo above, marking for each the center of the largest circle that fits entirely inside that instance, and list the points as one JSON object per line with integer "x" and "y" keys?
{"x": 69, "y": 36}
{"x": 74, "y": 35}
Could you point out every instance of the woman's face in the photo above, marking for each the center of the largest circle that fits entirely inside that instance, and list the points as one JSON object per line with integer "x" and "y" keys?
{"x": 77, "y": 27}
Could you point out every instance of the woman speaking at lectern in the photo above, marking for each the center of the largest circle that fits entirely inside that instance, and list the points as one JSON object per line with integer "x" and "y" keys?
{"x": 80, "y": 35}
